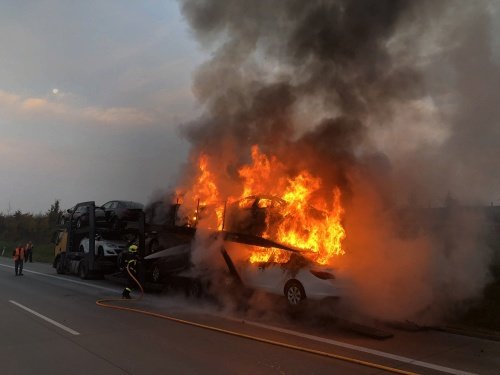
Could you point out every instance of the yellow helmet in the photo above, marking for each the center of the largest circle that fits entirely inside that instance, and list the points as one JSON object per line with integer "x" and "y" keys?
{"x": 132, "y": 248}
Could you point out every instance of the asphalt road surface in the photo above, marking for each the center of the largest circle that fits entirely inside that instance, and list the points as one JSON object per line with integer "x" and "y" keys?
{"x": 50, "y": 324}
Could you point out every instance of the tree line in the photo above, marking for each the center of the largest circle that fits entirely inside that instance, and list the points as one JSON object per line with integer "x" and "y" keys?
{"x": 21, "y": 227}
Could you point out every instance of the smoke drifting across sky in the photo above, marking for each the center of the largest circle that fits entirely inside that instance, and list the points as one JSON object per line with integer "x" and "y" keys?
{"x": 392, "y": 101}
{"x": 408, "y": 81}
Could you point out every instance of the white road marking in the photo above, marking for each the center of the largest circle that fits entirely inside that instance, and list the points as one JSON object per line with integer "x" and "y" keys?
{"x": 66, "y": 279}
{"x": 62, "y": 326}
{"x": 356, "y": 348}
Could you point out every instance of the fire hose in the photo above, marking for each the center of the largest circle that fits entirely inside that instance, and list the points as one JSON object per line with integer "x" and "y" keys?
{"x": 108, "y": 303}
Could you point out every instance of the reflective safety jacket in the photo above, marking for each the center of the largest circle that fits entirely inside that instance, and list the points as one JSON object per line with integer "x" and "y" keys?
{"x": 19, "y": 253}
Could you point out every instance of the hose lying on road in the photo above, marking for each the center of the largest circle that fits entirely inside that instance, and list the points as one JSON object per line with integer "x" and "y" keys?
{"x": 106, "y": 303}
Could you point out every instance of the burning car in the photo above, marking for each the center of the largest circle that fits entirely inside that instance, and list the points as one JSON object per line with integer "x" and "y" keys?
{"x": 297, "y": 279}
{"x": 261, "y": 215}
{"x": 254, "y": 214}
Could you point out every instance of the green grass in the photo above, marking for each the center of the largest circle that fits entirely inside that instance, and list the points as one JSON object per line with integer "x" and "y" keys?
{"x": 41, "y": 252}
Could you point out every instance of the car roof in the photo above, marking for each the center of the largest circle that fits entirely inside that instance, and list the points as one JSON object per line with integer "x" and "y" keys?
{"x": 126, "y": 202}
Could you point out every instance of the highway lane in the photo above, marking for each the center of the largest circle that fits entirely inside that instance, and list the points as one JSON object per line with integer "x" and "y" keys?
{"x": 116, "y": 342}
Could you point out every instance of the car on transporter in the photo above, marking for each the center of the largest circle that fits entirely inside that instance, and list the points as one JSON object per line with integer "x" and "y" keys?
{"x": 104, "y": 247}
{"x": 79, "y": 216}
{"x": 297, "y": 280}
{"x": 119, "y": 213}
{"x": 162, "y": 264}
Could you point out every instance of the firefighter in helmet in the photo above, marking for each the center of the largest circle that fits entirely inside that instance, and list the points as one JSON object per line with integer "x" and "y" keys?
{"x": 132, "y": 259}
{"x": 129, "y": 267}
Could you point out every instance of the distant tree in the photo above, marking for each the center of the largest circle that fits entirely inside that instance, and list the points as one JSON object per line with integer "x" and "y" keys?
{"x": 54, "y": 213}
{"x": 18, "y": 227}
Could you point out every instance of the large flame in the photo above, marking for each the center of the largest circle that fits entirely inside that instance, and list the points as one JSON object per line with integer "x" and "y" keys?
{"x": 315, "y": 230}
{"x": 202, "y": 199}
{"x": 306, "y": 218}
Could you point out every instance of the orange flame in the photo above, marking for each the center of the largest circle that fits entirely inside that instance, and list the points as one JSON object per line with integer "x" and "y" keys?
{"x": 265, "y": 255}
{"x": 318, "y": 232}
{"x": 315, "y": 229}
{"x": 202, "y": 195}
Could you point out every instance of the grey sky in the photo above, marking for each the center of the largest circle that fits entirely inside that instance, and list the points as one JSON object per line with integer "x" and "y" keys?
{"x": 91, "y": 95}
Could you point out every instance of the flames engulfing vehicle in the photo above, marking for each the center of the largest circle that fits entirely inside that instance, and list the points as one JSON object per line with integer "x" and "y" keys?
{"x": 255, "y": 215}
{"x": 271, "y": 267}
{"x": 262, "y": 215}
{"x": 297, "y": 210}
{"x": 298, "y": 213}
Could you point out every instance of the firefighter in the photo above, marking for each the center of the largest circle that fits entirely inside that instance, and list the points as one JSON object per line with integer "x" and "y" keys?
{"x": 29, "y": 252}
{"x": 126, "y": 293}
{"x": 129, "y": 261}
{"x": 18, "y": 260}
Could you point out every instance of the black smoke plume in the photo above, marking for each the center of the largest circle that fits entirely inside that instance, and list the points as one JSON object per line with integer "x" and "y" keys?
{"x": 393, "y": 101}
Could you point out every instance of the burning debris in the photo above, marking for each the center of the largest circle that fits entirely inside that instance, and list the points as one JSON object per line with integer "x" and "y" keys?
{"x": 299, "y": 144}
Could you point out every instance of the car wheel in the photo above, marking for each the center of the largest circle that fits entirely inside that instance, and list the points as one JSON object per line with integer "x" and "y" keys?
{"x": 294, "y": 293}
{"x": 156, "y": 274}
{"x": 60, "y": 265}
{"x": 100, "y": 251}
{"x": 82, "y": 270}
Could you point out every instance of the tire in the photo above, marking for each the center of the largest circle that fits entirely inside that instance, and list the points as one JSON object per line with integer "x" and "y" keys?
{"x": 82, "y": 270}
{"x": 60, "y": 265}
{"x": 294, "y": 293}
{"x": 100, "y": 251}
